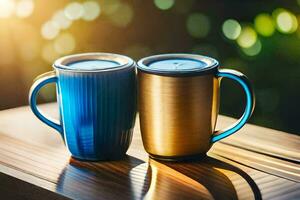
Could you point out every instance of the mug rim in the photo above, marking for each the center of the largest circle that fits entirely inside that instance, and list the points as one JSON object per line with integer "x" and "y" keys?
{"x": 212, "y": 64}
{"x": 124, "y": 61}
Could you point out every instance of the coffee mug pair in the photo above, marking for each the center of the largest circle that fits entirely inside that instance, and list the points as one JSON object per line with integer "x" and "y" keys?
{"x": 178, "y": 98}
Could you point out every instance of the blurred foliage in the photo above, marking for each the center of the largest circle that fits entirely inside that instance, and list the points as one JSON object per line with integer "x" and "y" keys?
{"x": 260, "y": 39}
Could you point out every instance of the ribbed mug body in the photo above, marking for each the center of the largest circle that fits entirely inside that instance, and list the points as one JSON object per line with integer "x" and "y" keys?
{"x": 97, "y": 112}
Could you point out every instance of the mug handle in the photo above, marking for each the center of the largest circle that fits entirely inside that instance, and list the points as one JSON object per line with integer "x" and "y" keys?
{"x": 250, "y": 103}
{"x": 41, "y": 81}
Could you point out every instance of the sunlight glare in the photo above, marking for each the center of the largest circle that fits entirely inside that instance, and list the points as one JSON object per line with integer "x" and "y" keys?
{"x": 7, "y": 8}
{"x": 61, "y": 20}
{"x": 24, "y": 8}
{"x": 91, "y": 10}
{"x": 50, "y": 30}
{"x": 74, "y": 11}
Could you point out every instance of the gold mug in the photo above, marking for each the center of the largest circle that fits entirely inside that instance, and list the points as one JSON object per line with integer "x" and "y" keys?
{"x": 179, "y": 104}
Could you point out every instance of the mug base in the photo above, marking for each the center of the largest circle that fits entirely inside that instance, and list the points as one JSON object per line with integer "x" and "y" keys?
{"x": 98, "y": 159}
{"x": 178, "y": 158}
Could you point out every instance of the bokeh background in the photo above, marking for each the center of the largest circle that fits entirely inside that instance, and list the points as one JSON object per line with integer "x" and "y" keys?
{"x": 258, "y": 38}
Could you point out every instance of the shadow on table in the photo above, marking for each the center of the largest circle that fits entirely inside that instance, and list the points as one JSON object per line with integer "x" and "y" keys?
{"x": 206, "y": 179}
{"x": 97, "y": 180}
{"x": 132, "y": 178}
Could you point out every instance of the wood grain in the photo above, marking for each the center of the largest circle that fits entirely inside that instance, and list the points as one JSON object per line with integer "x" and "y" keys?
{"x": 34, "y": 155}
{"x": 262, "y": 140}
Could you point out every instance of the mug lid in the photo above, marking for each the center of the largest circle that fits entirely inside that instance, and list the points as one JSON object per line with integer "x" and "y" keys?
{"x": 93, "y": 62}
{"x": 177, "y": 64}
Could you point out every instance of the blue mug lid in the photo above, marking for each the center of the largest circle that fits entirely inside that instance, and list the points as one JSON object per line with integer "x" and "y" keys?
{"x": 93, "y": 62}
{"x": 177, "y": 64}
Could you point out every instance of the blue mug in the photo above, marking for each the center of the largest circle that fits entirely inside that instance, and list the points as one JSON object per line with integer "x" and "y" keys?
{"x": 96, "y": 94}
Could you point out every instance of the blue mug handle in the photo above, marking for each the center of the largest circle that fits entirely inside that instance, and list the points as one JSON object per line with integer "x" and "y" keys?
{"x": 41, "y": 81}
{"x": 250, "y": 103}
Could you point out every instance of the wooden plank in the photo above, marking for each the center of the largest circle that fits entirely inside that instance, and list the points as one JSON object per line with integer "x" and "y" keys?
{"x": 275, "y": 166}
{"x": 213, "y": 177}
{"x": 262, "y": 140}
{"x": 32, "y": 152}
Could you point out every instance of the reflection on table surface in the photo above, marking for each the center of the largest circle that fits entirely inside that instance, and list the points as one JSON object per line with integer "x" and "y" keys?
{"x": 132, "y": 178}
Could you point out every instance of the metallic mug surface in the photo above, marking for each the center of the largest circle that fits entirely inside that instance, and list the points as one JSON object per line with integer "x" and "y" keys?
{"x": 178, "y": 109}
{"x": 97, "y": 106}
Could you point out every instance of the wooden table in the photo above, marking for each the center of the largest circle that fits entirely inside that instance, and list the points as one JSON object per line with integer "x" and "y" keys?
{"x": 255, "y": 163}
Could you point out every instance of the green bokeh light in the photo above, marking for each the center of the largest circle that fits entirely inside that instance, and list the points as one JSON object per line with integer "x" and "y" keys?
{"x": 247, "y": 37}
{"x": 231, "y": 29}
{"x": 198, "y": 25}
{"x": 298, "y": 30}
{"x": 164, "y": 4}
{"x": 286, "y": 22}
{"x": 264, "y": 24}
{"x": 253, "y": 50}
